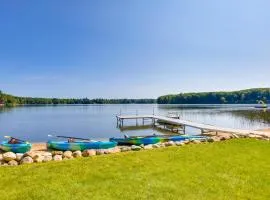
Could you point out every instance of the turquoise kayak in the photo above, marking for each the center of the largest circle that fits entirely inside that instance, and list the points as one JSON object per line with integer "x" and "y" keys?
{"x": 138, "y": 140}
{"x": 186, "y": 137}
{"x": 79, "y": 145}
{"x": 16, "y": 148}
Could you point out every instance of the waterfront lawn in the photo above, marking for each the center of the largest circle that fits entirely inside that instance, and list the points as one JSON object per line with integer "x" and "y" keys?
{"x": 235, "y": 169}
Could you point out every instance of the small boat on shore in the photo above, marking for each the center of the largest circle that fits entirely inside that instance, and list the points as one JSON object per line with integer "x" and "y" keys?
{"x": 153, "y": 139}
{"x": 138, "y": 140}
{"x": 21, "y": 147}
{"x": 79, "y": 145}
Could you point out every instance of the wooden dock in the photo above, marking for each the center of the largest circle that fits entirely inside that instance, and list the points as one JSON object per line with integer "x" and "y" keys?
{"x": 203, "y": 127}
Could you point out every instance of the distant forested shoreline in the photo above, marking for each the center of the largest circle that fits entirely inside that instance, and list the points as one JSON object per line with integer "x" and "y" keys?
{"x": 10, "y": 100}
{"x": 249, "y": 96}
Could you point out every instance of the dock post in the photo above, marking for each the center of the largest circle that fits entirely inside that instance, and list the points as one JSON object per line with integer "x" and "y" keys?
{"x": 184, "y": 129}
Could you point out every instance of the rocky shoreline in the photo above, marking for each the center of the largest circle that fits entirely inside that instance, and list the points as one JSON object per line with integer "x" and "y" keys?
{"x": 40, "y": 154}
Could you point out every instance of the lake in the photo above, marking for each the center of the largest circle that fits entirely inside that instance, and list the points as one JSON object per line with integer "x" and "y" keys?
{"x": 34, "y": 123}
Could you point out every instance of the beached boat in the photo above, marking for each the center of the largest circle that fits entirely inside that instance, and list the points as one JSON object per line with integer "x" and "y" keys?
{"x": 79, "y": 145}
{"x": 21, "y": 147}
{"x": 138, "y": 140}
{"x": 186, "y": 137}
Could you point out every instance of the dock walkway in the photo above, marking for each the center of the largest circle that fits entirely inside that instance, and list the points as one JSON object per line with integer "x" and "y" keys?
{"x": 203, "y": 127}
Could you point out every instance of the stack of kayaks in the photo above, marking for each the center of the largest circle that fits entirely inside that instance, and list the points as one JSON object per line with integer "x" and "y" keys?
{"x": 79, "y": 145}
{"x": 21, "y": 147}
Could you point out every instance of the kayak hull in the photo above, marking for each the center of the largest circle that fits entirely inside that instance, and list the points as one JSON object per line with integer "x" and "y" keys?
{"x": 186, "y": 137}
{"x": 16, "y": 148}
{"x": 74, "y": 146}
{"x": 138, "y": 140}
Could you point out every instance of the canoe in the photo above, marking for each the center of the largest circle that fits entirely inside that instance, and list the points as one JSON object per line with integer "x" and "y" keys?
{"x": 16, "y": 148}
{"x": 138, "y": 140}
{"x": 79, "y": 145}
{"x": 186, "y": 137}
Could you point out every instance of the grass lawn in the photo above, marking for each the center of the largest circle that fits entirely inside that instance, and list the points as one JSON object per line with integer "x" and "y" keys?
{"x": 234, "y": 169}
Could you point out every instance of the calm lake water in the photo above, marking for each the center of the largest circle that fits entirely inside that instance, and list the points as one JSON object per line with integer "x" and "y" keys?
{"x": 34, "y": 123}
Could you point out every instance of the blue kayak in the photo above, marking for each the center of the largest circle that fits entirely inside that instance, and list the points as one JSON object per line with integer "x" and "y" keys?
{"x": 79, "y": 145}
{"x": 186, "y": 137}
{"x": 21, "y": 147}
{"x": 138, "y": 140}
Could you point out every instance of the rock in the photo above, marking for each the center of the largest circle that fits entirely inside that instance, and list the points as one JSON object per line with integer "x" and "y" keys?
{"x": 47, "y": 153}
{"x": 1, "y": 157}
{"x": 77, "y": 154}
{"x": 115, "y": 150}
{"x": 65, "y": 158}
{"x": 186, "y": 141}
{"x": 57, "y": 157}
{"x": 178, "y": 143}
{"x": 99, "y": 152}
{"x": 57, "y": 153}
{"x": 13, "y": 163}
{"x": 68, "y": 154}
{"x": 88, "y": 152}
{"x": 216, "y": 139}
{"x": 19, "y": 156}
{"x": 47, "y": 158}
{"x": 156, "y": 146}
{"x": 135, "y": 148}
{"x": 5, "y": 164}
{"x": 30, "y": 154}
{"x": 196, "y": 141}
{"x": 124, "y": 149}
{"x": 149, "y": 146}
{"x": 8, "y": 156}
{"x": 26, "y": 160}
{"x": 38, "y": 158}
{"x": 170, "y": 143}
{"x": 142, "y": 145}
{"x": 210, "y": 139}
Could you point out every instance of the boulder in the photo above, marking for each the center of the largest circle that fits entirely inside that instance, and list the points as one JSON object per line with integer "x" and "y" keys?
{"x": 170, "y": 143}
{"x": 38, "y": 158}
{"x": 210, "y": 139}
{"x": 196, "y": 141}
{"x": 186, "y": 141}
{"x": 30, "y": 154}
{"x": 46, "y": 153}
{"x": 115, "y": 150}
{"x": 88, "y": 152}
{"x": 68, "y": 154}
{"x": 124, "y": 149}
{"x": 19, "y": 156}
{"x": 57, "y": 157}
{"x": 1, "y": 157}
{"x": 26, "y": 160}
{"x": 77, "y": 154}
{"x": 135, "y": 148}
{"x": 8, "y": 156}
{"x": 149, "y": 146}
{"x": 47, "y": 158}
{"x": 13, "y": 163}
{"x": 178, "y": 143}
{"x": 156, "y": 146}
{"x": 57, "y": 153}
{"x": 216, "y": 139}
{"x": 142, "y": 145}
{"x": 99, "y": 152}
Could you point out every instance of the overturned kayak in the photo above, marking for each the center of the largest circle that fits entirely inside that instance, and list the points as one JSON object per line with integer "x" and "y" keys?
{"x": 138, "y": 140}
{"x": 16, "y": 148}
{"x": 79, "y": 145}
{"x": 186, "y": 137}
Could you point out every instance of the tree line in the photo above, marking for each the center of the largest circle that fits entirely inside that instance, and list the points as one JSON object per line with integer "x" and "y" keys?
{"x": 249, "y": 96}
{"x": 10, "y": 100}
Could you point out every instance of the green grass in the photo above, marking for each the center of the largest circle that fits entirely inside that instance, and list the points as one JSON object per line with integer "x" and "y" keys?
{"x": 235, "y": 169}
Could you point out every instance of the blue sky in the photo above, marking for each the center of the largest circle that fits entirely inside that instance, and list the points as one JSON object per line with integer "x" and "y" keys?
{"x": 133, "y": 49}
